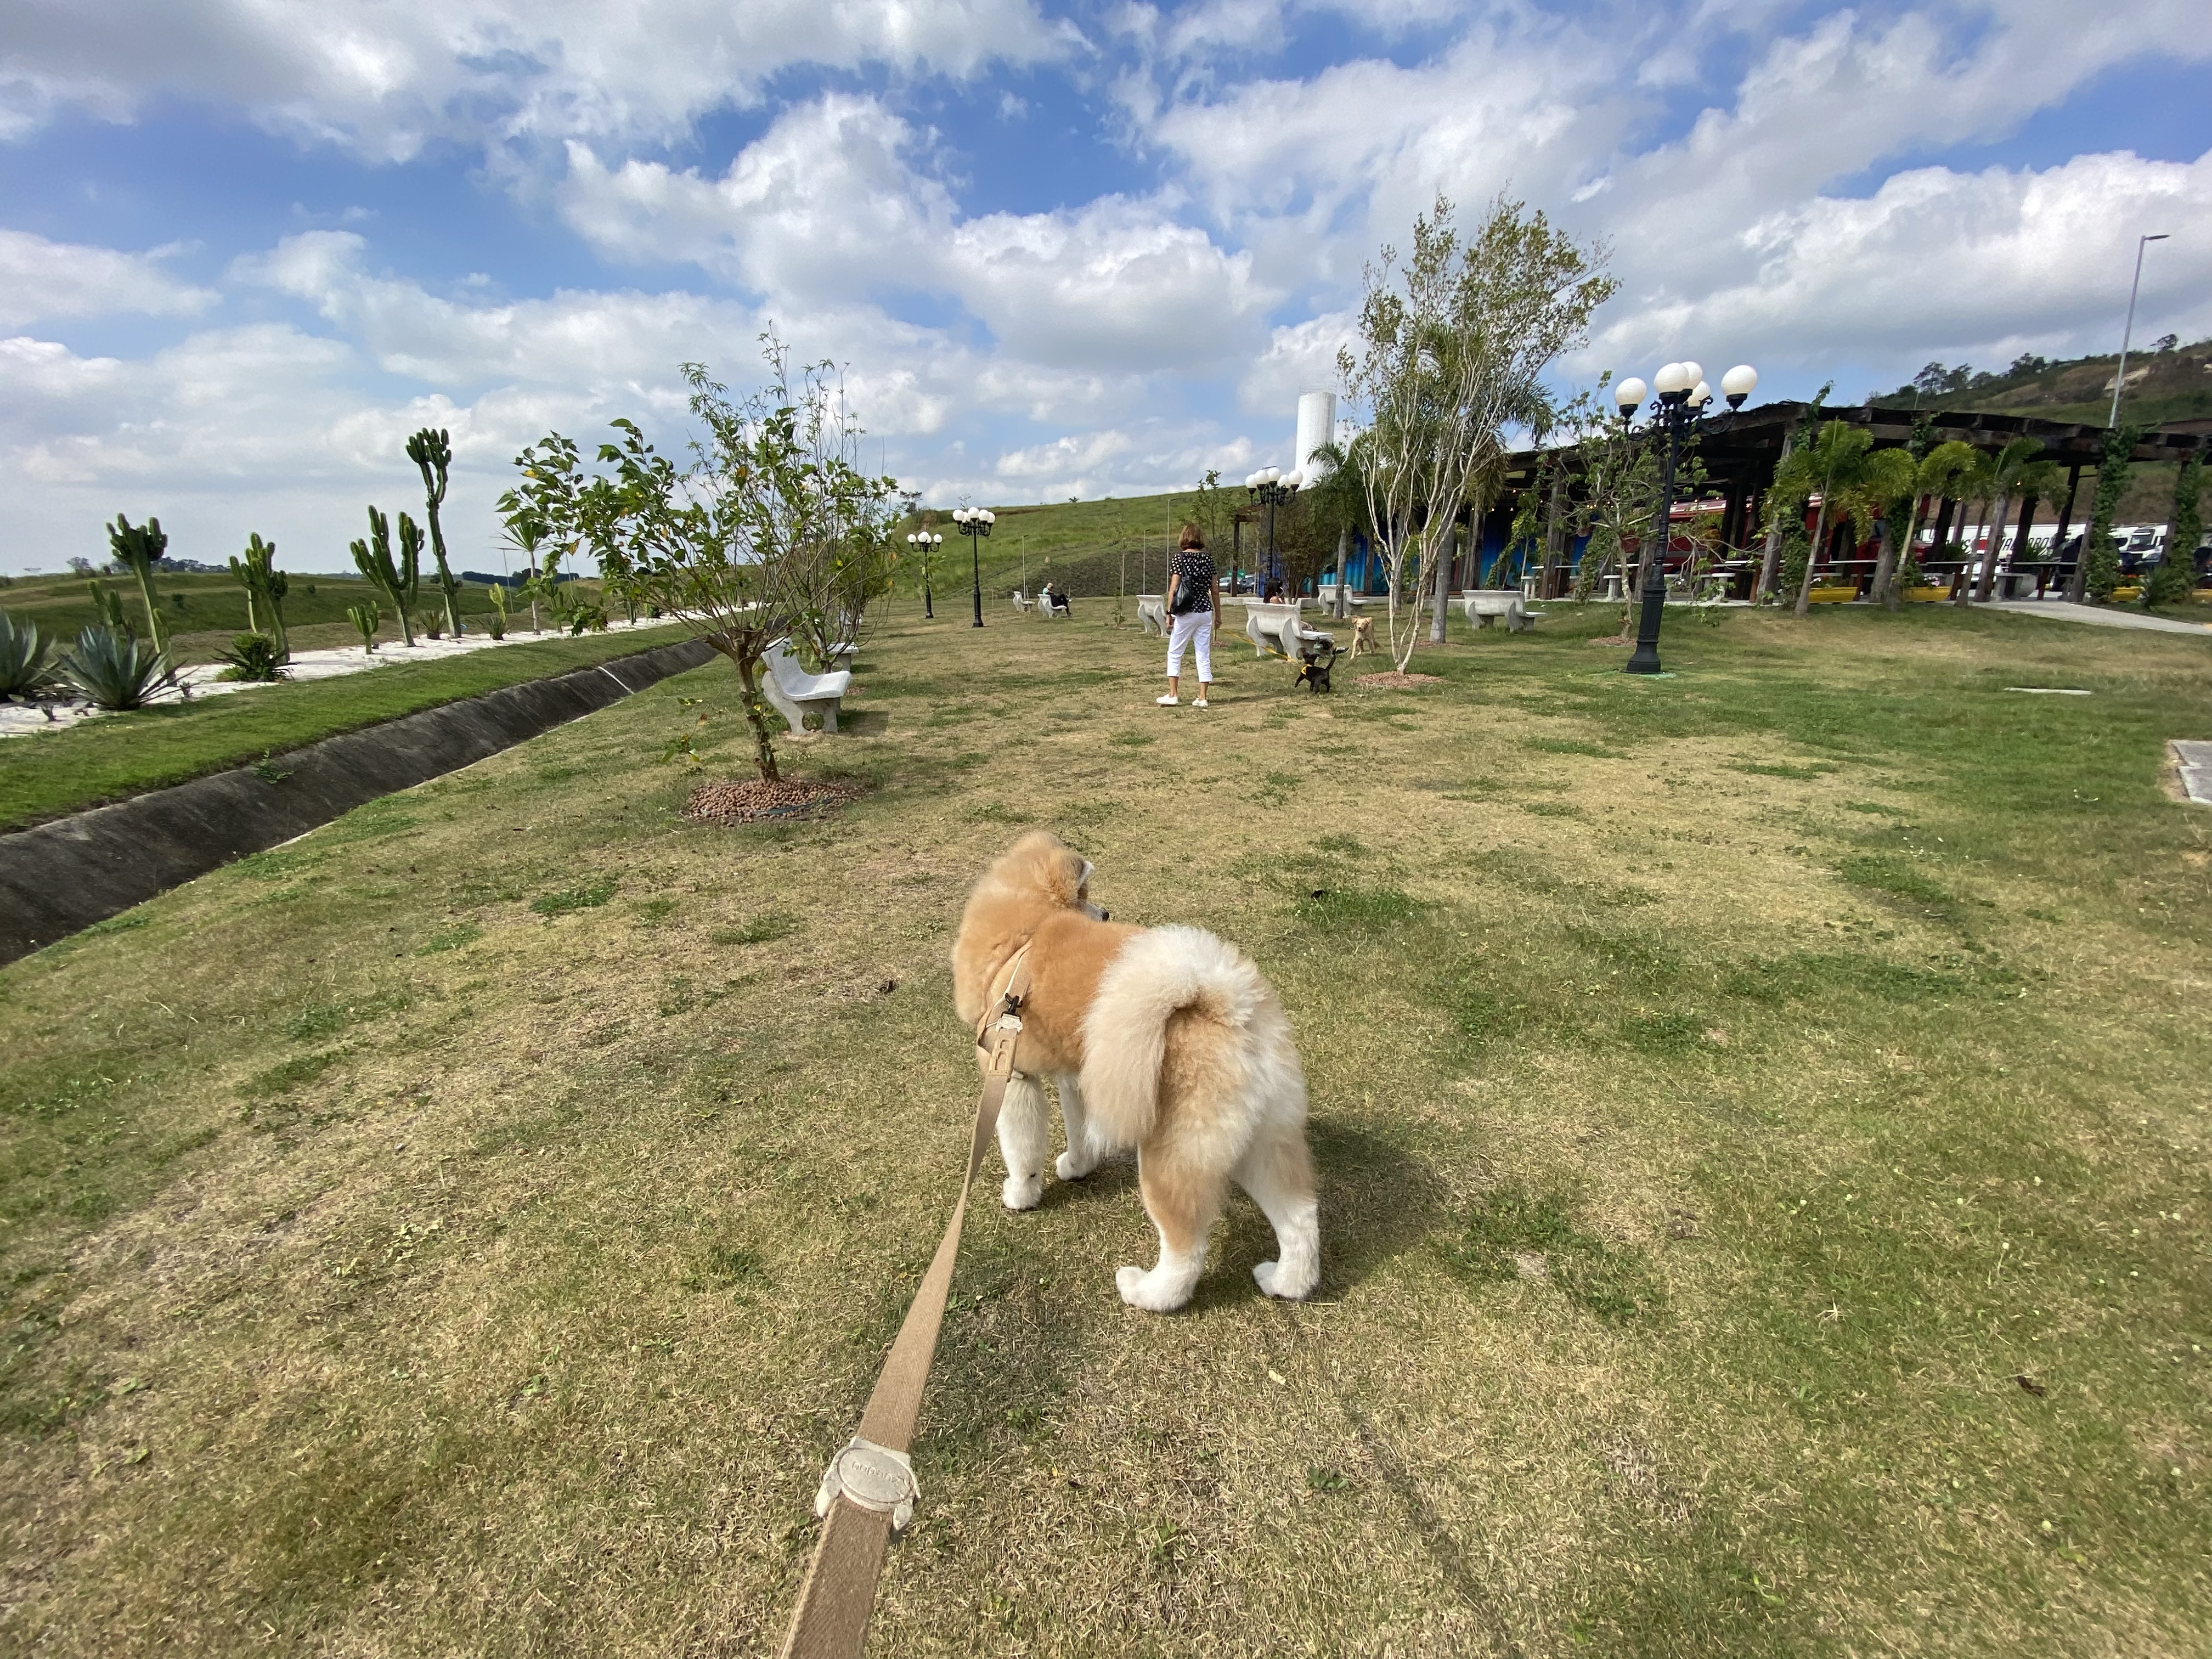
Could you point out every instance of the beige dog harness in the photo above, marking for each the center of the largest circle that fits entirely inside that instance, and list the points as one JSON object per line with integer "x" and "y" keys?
{"x": 868, "y": 1491}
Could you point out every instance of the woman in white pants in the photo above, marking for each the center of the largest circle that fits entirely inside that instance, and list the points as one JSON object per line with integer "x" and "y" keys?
{"x": 1193, "y": 607}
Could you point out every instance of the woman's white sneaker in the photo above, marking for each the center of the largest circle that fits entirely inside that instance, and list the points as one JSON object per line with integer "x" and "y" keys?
{"x": 1168, "y": 701}
{"x": 1198, "y": 702}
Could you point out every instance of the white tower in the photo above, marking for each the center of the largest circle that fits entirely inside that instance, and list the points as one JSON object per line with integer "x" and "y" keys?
{"x": 1317, "y": 427}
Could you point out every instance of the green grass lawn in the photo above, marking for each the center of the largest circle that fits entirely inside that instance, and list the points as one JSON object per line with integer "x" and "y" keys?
{"x": 1761, "y": 1115}
{"x": 48, "y": 773}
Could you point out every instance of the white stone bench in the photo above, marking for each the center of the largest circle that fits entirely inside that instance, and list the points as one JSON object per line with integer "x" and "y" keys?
{"x": 1022, "y": 601}
{"x": 1264, "y": 625}
{"x": 1278, "y": 629}
{"x": 794, "y": 691}
{"x": 1327, "y": 594}
{"x": 1152, "y": 612}
{"x": 1484, "y": 605}
{"x": 1048, "y": 611}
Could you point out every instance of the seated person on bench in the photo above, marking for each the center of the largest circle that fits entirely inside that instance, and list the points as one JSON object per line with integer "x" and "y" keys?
{"x": 1053, "y": 599}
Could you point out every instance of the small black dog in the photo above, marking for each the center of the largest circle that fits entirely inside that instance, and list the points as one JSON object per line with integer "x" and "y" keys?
{"x": 1313, "y": 672}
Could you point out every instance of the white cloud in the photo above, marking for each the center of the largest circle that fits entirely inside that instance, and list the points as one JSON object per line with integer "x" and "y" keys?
{"x": 43, "y": 281}
{"x": 384, "y": 81}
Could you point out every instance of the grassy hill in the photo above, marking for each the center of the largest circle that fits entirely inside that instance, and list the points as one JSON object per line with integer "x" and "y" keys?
{"x": 2162, "y": 386}
{"x": 1090, "y": 548}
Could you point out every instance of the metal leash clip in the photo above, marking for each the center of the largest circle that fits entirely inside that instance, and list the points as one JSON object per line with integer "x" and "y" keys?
{"x": 874, "y": 1477}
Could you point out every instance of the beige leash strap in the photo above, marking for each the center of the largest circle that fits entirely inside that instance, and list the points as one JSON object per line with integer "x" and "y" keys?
{"x": 868, "y": 1491}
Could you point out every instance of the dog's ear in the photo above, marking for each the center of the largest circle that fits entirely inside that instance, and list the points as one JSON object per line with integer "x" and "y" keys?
{"x": 1068, "y": 879}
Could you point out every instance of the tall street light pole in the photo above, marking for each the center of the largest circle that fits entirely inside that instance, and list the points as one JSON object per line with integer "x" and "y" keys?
{"x": 976, "y": 524}
{"x": 2127, "y": 335}
{"x": 1270, "y": 489}
{"x": 1682, "y": 401}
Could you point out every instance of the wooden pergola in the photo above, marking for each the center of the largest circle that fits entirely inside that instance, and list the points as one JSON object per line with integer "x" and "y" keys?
{"x": 1741, "y": 451}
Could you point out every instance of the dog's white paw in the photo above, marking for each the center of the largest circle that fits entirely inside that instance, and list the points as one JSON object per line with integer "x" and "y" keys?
{"x": 1022, "y": 1192}
{"x": 1142, "y": 1290}
{"x": 1271, "y": 1278}
{"x": 1072, "y": 1166}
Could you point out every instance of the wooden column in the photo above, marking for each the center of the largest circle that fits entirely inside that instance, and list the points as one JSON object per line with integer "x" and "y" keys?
{"x": 2020, "y": 539}
{"x": 2066, "y": 518}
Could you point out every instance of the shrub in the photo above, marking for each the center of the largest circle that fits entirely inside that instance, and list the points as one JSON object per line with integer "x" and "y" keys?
{"x": 23, "y": 666}
{"x": 253, "y": 657}
{"x": 115, "y": 670}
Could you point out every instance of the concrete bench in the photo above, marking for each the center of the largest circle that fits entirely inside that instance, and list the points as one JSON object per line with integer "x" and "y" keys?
{"x": 1327, "y": 596}
{"x": 1484, "y": 605}
{"x": 1152, "y": 612}
{"x": 1022, "y": 601}
{"x": 1264, "y": 625}
{"x": 1048, "y": 611}
{"x": 1277, "y": 628}
{"x": 793, "y": 691}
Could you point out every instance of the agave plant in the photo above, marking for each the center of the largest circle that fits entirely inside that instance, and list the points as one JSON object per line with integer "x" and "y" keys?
{"x": 253, "y": 657}
{"x": 23, "y": 666}
{"x": 115, "y": 670}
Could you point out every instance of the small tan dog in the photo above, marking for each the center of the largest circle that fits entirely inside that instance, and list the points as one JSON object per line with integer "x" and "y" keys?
{"x": 1165, "y": 1039}
{"x": 1363, "y": 637}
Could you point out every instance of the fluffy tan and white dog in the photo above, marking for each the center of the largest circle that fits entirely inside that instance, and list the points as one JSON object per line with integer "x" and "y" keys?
{"x": 1162, "y": 1039}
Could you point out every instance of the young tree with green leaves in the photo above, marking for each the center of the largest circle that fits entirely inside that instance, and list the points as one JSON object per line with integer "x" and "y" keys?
{"x": 138, "y": 549}
{"x": 398, "y": 580}
{"x": 1451, "y": 347}
{"x": 759, "y": 539}
{"x": 432, "y": 451}
{"x": 2173, "y": 578}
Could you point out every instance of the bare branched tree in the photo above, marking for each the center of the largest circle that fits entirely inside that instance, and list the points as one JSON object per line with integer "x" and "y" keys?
{"x": 1451, "y": 348}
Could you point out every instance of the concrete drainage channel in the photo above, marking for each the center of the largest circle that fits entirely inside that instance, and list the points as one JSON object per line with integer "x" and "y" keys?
{"x": 61, "y": 877}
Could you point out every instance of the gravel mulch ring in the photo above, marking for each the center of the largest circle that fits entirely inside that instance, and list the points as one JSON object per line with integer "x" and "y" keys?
{"x": 1394, "y": 681}
{"x": 755, "y": 800}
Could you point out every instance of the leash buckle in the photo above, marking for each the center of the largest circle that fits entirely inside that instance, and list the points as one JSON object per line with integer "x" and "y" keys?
{"x": 874, "y": 1478}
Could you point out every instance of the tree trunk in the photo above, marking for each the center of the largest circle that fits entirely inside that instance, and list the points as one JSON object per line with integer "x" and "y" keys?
{"x": 1445, "y": 559}
{"x": 1343, "y": 570}
{"x": 748, "y": 662}
{"x": 1813, "y": 559}
{"x": 1890, "y": 594}
{"x": 1985, "y": 573}
{"x": 154, "y": 625}
{"x": 1551, "y": 537}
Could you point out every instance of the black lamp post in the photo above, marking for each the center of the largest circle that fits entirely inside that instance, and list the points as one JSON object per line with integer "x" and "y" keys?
{"x": 1268, "y": 488}
{"x": 975, "y": 522}
{"x": 922, "y": 539}
{"x": 1683, "y": 399}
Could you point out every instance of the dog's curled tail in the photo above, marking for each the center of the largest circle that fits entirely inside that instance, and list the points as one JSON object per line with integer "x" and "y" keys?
{"x": 1158, "y": 974}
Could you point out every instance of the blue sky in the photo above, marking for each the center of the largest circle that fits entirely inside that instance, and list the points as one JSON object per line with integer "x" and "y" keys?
{"x": 245, "y": 248}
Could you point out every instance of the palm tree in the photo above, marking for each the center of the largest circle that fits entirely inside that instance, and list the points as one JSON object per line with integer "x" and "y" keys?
{"x": 1884, "y": 484}
{"x": 1339, "y": 500}
{"x": 1932, "y": 481}
{"x": 1831, "y": 466}
{"x": 2006, "y": 474}
{"x": 1973, "y": 488}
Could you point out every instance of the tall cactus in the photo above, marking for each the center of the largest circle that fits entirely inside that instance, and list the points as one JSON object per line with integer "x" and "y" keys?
{"x": 140, "y": 549}
{"x": 265, "y": 586}
{"x": 108, "y": 605}
{"x": 432, "y": 451}
{"x": 397, "y": 582}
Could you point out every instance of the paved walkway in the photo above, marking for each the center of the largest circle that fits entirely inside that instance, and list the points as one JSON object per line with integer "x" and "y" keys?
{"x": 17, "y": 719}
{"x": 2097, "y": 615}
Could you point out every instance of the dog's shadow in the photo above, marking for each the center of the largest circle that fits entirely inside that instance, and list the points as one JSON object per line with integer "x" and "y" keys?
{"x": 1378, "y": 1200}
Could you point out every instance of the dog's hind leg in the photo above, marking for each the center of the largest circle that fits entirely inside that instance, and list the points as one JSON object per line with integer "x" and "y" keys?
{"x": 1081, "y": 1158}
{"x": 1182, "y": 1204}
{"x": 1278, "y": 1174}
{"x": 1022, "y": 1142}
